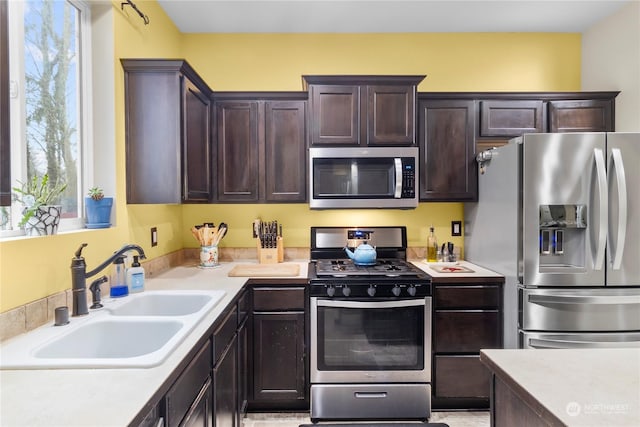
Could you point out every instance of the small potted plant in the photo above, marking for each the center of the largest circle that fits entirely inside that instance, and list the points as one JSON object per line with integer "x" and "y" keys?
{"x": 98, "y": 208}
{"x": 40, "y": 216}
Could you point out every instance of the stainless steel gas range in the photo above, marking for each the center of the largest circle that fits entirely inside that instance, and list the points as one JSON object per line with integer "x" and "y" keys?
{"x": 370, "y": 328}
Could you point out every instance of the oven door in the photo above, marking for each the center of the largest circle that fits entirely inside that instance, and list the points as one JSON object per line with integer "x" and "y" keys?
{"x": 372, "y": 341}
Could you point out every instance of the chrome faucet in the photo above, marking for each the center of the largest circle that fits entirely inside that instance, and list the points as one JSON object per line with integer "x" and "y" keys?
{"x": 79, "y": 275}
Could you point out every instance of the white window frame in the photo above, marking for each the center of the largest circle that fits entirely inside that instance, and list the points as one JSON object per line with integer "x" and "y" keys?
{"x": 17, "y": 108}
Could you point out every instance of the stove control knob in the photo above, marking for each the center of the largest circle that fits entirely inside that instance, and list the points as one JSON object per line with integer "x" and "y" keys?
{"x": 396, "y": 290}
{"x": 331, "y": 291}
{"x": 346, "y": 291}
{"x": 371, "y": 291}
{"x": 412, "y": 291}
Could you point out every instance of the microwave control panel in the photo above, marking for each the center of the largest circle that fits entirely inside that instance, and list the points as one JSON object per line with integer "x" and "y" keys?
{"x": 408, "y": 178}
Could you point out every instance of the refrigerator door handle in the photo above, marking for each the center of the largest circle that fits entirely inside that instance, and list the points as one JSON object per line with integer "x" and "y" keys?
{"x": 560, "y": 343}
{"x": 622, "y": 207}
{"x": 602, "y": 192}
{"x": 580, "y": 299}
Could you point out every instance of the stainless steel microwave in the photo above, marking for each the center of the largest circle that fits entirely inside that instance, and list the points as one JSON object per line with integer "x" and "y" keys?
{"x": 367, "y": 177}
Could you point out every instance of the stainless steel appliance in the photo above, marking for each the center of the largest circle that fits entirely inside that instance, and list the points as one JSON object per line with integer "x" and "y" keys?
{"x": 369, "y": 177}
{"x": 370, "y": 328}
{"x": 557, "y": 215}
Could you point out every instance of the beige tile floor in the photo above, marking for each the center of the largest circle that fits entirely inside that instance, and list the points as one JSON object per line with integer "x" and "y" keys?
{"x": 453, "y": 419}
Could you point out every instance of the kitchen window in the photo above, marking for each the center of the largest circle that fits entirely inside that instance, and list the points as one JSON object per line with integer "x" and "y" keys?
{"x": 50, "y": 106}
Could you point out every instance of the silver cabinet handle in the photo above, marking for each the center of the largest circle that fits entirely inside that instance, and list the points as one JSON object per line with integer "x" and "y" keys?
{"x": 622, "y": 207}
{"x": 398, "y": 164}
{"x": 551, "y": 343}
{"x": 577, "y": 299}
{"x": 602, "y": 192}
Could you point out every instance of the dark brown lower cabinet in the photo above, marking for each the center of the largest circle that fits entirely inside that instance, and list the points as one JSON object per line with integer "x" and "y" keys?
{"x": 467, "y": 317}
{"x": 200, "y": 412}
{"x": 225, "y": 380}
{"x": 279, "y": 380}
{"x": 186, "y": 402}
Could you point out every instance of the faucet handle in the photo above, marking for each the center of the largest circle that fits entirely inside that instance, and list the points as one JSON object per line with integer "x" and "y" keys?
{"x": 79, "y": 251}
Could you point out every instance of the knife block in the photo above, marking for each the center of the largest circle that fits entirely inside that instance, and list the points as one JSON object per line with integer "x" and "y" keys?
{"x": 270, "y": 255}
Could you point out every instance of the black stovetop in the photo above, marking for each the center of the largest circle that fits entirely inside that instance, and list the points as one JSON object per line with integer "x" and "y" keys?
{"x": 342, "y": 268}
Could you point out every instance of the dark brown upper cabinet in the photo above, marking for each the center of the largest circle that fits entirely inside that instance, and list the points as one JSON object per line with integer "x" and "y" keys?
{"x": 261, "y": 146}
{"x": 447, "y": 157}
{"x": 168, "y": 132}
{"x": 362, "y": 110}
{"x": 5, "y": 142}
{"x": 509, "y": 118}
{"x": 585, "y": 115}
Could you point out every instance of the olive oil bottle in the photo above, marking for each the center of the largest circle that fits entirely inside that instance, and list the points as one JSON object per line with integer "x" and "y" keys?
{"x": 432, "y": 246}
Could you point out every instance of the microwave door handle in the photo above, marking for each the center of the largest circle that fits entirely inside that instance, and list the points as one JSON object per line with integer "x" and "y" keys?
{"x": 618, "y": 166}
{"x": 602, "y": 193}
{"x": 398, "y": 164}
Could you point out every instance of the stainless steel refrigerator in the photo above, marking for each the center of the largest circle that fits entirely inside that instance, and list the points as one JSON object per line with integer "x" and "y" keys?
{"x": 559, "y": 216}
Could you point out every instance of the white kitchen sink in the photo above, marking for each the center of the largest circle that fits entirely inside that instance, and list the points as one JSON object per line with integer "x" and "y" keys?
{"x": 138, "y": 331}
{"x": 110, "y": 338}
{"x": 165, "y": 304}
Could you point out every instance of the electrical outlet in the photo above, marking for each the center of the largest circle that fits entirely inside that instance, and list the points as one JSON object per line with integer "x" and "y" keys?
{"x": 154, "y": 236}
{"x": 456, "y": 228}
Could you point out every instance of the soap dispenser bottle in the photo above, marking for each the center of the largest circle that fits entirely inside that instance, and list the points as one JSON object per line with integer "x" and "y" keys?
{"x": 135, "y": 276}
{"x": 119, "y": 284}
{"x": 432, "y": 246}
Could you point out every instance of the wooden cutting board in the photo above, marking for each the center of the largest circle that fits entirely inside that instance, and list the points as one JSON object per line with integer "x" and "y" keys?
{"x": 265, "y": 270}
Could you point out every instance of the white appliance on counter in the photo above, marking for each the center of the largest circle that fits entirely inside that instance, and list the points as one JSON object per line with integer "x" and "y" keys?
{"x": 558, "y": 215}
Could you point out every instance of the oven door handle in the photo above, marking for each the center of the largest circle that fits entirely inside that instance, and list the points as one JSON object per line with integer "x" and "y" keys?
{"x": 370, "y": 304}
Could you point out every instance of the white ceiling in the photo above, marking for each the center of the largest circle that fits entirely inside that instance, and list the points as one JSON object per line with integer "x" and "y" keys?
{"x": 386, "y": 16}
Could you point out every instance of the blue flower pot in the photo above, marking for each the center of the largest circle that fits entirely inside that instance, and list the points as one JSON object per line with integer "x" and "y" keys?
{"x": 98, "y": 212}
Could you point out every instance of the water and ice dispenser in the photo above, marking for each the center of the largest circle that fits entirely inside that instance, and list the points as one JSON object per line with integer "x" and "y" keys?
{"x": 563, "y": 235}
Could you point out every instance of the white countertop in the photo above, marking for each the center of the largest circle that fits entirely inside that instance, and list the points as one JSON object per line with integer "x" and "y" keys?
{"x": 577, "y": 387}
{"x": 476, "y": 270}
{"x": 110, "y": 397}
{"x": 81, "y": 397}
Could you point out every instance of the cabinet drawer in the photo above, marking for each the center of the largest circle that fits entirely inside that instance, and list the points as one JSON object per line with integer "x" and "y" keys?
{"x": 461, "y": 376}
{"x": 466, "y": 331}
{"x": 244, "y": 307}
{"x": 278, "y": 299}
{"x": 187, "y": 387}
{"x": 458, "y": 296}
{"x": 511, "y": 118}
{"x": 224, "y": 334}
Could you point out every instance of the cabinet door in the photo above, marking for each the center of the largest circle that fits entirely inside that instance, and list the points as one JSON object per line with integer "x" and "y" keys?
{"x": 243, "y": 370}
{"x": 238, "y": 150}
{"x": 390, "y": 115}
{"x": 594, "y": 115}
{"x": 153, "y": 152}
{"x": 225, "y": 383}
{"x": 285, "y": 151}
{"x": 200, "y": 413}
{"x": 507, "y": 118}
{"x": 466, "y": 331}
{"x": 461, "y": 376}
{"x": 196, "y": 133}
{"x": 335, "y": 114}
{"x": 185, "y": 392}
{"x": 278, "y": 358}
{"x": 448, "y": 170}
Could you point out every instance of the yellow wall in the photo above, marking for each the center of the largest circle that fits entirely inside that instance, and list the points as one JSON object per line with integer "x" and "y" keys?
{"x": 36, "y": 267}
